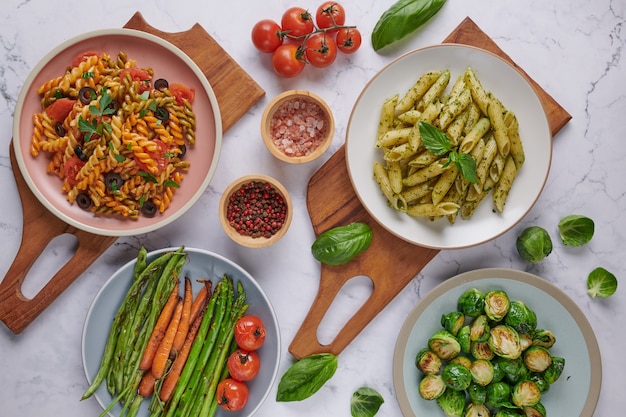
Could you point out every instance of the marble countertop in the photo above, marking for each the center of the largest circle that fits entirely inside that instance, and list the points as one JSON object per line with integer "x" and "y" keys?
{"x": 572, "y": 49}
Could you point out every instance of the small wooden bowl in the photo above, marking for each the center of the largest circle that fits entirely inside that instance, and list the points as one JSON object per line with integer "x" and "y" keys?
{"x": 322, "y": 140}
{"x": 245, "y": 239}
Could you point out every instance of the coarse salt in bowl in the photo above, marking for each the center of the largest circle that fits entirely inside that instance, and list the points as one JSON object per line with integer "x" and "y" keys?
{"x": 297, "y": 126}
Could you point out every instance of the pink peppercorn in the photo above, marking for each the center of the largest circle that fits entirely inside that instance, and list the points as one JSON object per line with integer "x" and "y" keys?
{"x": 256, "y": 209}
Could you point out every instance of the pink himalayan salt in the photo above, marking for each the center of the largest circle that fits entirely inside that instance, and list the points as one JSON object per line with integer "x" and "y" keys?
{"x": 298, "y": 127}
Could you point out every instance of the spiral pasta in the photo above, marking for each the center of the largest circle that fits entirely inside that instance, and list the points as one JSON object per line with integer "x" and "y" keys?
{"x": 113, "y": 136}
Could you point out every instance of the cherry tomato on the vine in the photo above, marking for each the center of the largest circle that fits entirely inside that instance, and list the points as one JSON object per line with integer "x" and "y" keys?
{"x": 320, "y": 50}
{"x": 297, "y": 21}
{"x": 232, "y": 395}
{"x": 348, "y": 40}
{"x": 249, "y": 332}
{"x": 243, "y": 365}
{"x": 266, "y": 35}
{"x": 288, "y": 61}
{"x": 330, "y": 14}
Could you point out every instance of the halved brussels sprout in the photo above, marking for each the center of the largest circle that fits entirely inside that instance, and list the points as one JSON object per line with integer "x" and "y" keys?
{"x": 525, "y": 340}
{"x": 477, "y": 410}
{"x": 427, "y": 361}
{"x": 507, "y": 412}
{"x": 537, "y": 410}
{"x": 453, "y": 322}
{"x": 481, "y": 350}
{"x": 526, "y": 393}
{"x": 452, "y": 403}
{"x": 462, "y": 360}
{"x": 477, "y": 393}
{"x": 541, "y": 382}
{"x": 537, "y": 358}
{"x": 514, "y": 370}
{"x": 521, "y": 317}
{"x": 555, "y": 370}
{"x": 498, "y": 394}
{"x": 482, "y": 372}
{"x": 456, "y": 376}
{"x": 444, "y": 344}
{"x": 479, "y": 329}
{"x": 545, "y": 338}
{"x": 504, "y": 341}
{"x": 464, "y": 339}
{"x": 431, "y": 387}
{"x": 471, "y": 302}
{"x": 497, "y": 304}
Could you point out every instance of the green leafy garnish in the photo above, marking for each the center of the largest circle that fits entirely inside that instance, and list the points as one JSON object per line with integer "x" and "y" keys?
{"x": 576, "y": 230}
{"x": 365, "y": 402}
{"x": 94, "y": 126}
{"x": 439, "y": 144}
{"x": 341, "y": 244}
{"x": 147, "y": 176}
{"x": 306, "y": 376}
{"x": 88, "y": 74}
{"x": 171, "y": 183}
{"x": 601, "y": 283}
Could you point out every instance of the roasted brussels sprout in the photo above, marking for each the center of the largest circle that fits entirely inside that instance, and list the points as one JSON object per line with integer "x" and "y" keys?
{"x": 477, "y": 410}
{"x": 544, "y": 338}
{"x": 453, "y": 322}
{"x": 521, "y": 317}
{"x": 555, "y": 370}
{"x": 431, "y": 387}
{"x": 452, "y": 403}
{"x": 504, "y": 341}
{"x": 481, "y": 350}
{"x": 507, "y": 412}
{"x": 498, "y": 372}
{"x": 427, "y": 361}
{"x": 477, "y": 393}
{"x": 541, "y": 382}
{"x": 498, "y": 394}
{"x": 464, "y": 339}
{"x": 456, "y": 376}
{"x": 482, "y": 372}
{"x": 537, "y": 358}
{"x": 462, "y": 360}
{"x": 514, "y": 370}
{"x": 471, "y": 302}
{"x": 497, "y": 304}
{"x": 444, "y": 344}
{"x": 537, "y": 410}
{"x": 479, "y": 329}
{"x": 525, "y": 340}
{"x": 525, "y": 393}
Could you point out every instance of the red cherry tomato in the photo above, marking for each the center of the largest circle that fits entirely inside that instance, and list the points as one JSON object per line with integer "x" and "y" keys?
{"x": 59, "y": 110}
{"x": 82, "y": 57}
{"x": 182, "y": 93}
{"x": 330, "y": 14}
{"x": 232, "y": 395}
{"x": 288, "y": 61}
{"x": 321, "y": 50}
{"x": 159, "y": 156}
{"x": 139, "y": 75}
{"x": 297, "y": 21}
{"x": 348, "y": 40}
{"x": 266, "y": 35}
{"x": 243, "y": 365}
{"x": 249, "y": 332}
{"x": 71, "y": 168}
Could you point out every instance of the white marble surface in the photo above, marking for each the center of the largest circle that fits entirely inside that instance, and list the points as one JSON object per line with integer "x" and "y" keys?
{"x": 572, "y": 49}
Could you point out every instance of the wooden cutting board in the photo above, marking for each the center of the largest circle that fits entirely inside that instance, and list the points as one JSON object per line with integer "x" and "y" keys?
{"x": 235, "y": 91}
{"x": 390, "y": 263}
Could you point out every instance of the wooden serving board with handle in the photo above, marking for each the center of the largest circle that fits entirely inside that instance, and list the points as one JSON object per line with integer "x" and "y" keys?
{"x": 390, "y": 263}
{"x": 236, "y": 92}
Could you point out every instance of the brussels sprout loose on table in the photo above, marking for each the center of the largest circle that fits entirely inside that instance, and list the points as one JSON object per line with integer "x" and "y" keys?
{"x": 534, "y": 244}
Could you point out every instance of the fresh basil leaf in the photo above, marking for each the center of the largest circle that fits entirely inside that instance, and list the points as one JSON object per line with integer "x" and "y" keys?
{"x": 467, "y": 166}
{"x": 576, "y": 230}
{"x": 341, "y": 244}
{"x": 403, "y": 18}
{"x": 434, "y": 139}
{"x": 365, "y": 402}
{"x": 306, "y": 376}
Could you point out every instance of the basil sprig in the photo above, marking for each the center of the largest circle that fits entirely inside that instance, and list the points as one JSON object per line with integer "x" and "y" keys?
{"x": 341, "y": 244}
{"x": 403, "y": 18}
{"x": 306, "y": 376}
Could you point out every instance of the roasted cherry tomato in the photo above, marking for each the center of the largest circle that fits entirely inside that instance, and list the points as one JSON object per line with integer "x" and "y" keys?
{"x": 71, "y": 168}
{"x": 139, "y": 75}
{"x": 249, "y": 332}
{"x": 232, "y": 395}
{"x": 266, "y": 35}
{"x": 330, "y": 14}
{"x": 59, "y": 110}
{"x": 348, "y": 40}
{"x": 182, "y": 93}
{"x": 288, "y": 61}
{"x": 243, "y": 365}
{"x": 297, "y": 21}
{"x": 82, "y": 57}
{"x": 159, "y": 155}
{"x": 320, "y": 50}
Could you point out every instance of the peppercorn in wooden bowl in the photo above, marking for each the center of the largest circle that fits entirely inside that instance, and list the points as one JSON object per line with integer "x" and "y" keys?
{"x": 255, "y": 211}
{"x": 297, "y": 126}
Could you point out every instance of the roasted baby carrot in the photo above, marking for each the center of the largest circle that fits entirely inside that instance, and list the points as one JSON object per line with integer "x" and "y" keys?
{"x": 185, "y": 319}
{"x": 159, "y": 330}
{"x": 201, "y": 298}
{"x": 146, "y": 386}
{"x": 162, "y": 354}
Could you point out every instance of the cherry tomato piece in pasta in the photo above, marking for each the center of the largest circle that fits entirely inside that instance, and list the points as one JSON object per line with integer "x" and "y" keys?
{"x": 82, "y": 57}
{"x": 159, "y": 156}
{"x": 71, "y": 168}
{"x": 139, "y": 75}
{"x": 182, "y": 93}
{"x": 59, "y": 110}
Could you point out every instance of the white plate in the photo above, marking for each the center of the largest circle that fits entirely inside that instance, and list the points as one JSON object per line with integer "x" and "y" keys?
{"x": 509, "y": 86}
{"x": 201, "y": 265}
{"x": 575, "y": 393}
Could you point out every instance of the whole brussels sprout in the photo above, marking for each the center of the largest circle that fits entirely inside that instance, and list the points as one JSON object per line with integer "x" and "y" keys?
{"x": 477, "y": 410}
{"x": 544, "y": 338}
{"x": 482, "y": 372}
{"x": 514, "y": 370}
{"x": 554, "y": 371}
{"x": 504, "y": 341}
{"x": 462, "y": 360}
{"x": 481, "y": 350}
{"x": 427, "y": 361}
{"x": 453, "y": 322}
{"x": 497, "y": 304}
{"x": 537, "y": 358}
{"x": 525, "y": 393}
{"x": 477, "y": 393}
{"x": 479, "y": 329}
{"x": 456, "y": 376}
{"x": 444, "y": 344}
{"x": 537, "y": 410}
{"x": 431, "y": 387}
{"x": 534, "y": 244}
{"x": 471, "y": 302}
{"x": 541, "y": 382}
{"x": 498, "y": 371}
{"x": 498, "y": 394}
{"x": 521, "y": 317}
{"x": 452, "y": 403}
{"x": 464, "y": 338}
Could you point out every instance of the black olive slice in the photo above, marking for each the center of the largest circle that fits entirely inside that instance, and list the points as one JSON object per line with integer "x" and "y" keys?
{"x": 86, "y": 95}
{"x": 83, "y": 200}
{"x": 161, "y": 84}
{"x": 148, "y": 209}
{"x": 183, "y": 150}
{"x": 113, "y": 181}
{"x": 162, "y": 114}
{"x": 114, "y": 105}
{"x": 78, "y": 150}
{"x": 60, "y": 130}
